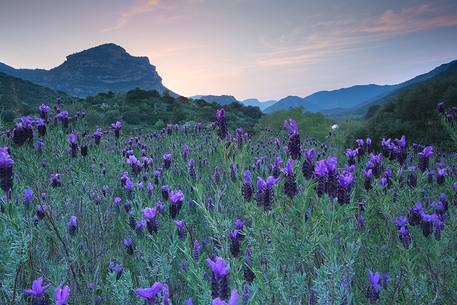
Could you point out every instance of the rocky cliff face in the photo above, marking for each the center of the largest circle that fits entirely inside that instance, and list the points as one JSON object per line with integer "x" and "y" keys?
{"x": 104, "y": 68}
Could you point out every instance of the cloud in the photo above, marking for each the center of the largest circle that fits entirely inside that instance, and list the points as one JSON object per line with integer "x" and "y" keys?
{"x": 337, "y": 36}
{"x": 139, "y": 8}
{"x": 414, "y": 19}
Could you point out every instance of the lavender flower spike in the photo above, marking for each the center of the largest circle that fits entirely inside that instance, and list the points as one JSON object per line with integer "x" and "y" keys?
{"x": 233, "y": 299}
{"x": 37, "y": 289}
{"x": 149, "y": 293}
{"x": 62, "y": 295}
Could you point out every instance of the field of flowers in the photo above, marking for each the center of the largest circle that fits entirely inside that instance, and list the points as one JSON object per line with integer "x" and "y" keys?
{"x": 199, "y": 214}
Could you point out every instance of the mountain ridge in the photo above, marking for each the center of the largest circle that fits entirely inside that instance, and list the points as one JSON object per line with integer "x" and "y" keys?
{"x": 103, "y": 68}
{"x": 363, "y": 95}
{"x": 257, "y": 103}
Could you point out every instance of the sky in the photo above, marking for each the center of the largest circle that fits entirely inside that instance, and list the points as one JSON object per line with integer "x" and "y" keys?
{"x": 247, "y": 48}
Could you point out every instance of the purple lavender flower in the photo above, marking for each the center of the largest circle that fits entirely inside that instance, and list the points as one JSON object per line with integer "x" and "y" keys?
{"x": 264, "y": 195}
{"x": 117, "y": 128}
{"x": 167, "y": 160}
{"x": 351, "y": 154}
{"x": 221, "y": 124}
{"x": 150, "y": 216}
{"x": 149, "y": 188}
{"x": 232, "y": 172}
{"x": 219, "y": 282}
{"x": 165, "y": 192}
{"x": 182, "y": 229}
{"x": 320, "y": 169}
{"x": 233, "y": 299}
{"x": 401, "y": 153}
{"x": 374, "y": 288}
{"x": 239, "y": 225}
{"x": 37, "y": 289}
{"x": 196, "y": 250}
{"x": 440, "y": 106}
{"x": 64, "y": 117}
{"x": 290, "y": 186}
{"x": 247, "y": 188}
{"x": 360, "y": 222}
{"x": 38, "y": 292}
{"x": 275, "y": 169}
{"x": 139, "y": 226}
{"x": 176, "y": 198}
{"x": 28, "y": 196}
{"x": 40, "y": 211}
{"x": 308, "y": 164}
{"x": 345, "y": 181}
{"x": 427, "y": 221}
{"x": 39, "y": 146}
{"x": 277, "y": 143}
{"x": 72, "y": 139}
{"x": 235, "y": 238}
{"x": 441, "y": 173}
{"x": 404, "y": 236}
{"x": 44, "y": 109}
{"x": 116, "y": 268}
{"x": 55, "y": 180}
{"x": 185, "y": 150}
{"x": 376, "y": 164}
{"x": 128, "y": 244}
{"x": 415, "y": 213}
{"x": 72, "y": 225}
{"x": 239, "y": 137}
{"x": 149, "y": 294}
{"x": 438, "y": 224}
{"x": 321, "y": 172}
{"x": 424, "y": 156}
{"x": 332, "y": 178}
{"x": 98, "y": 135}
{"x": 293, "y": 145}
{"x": 192, "y": 173}
{"x": 444, "y": 203}
{"x": 41, "y": 126}
{"x": 62, "y": 295}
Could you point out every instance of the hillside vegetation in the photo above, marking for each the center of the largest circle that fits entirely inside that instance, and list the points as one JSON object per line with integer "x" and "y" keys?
{"x": 411, "y": 111}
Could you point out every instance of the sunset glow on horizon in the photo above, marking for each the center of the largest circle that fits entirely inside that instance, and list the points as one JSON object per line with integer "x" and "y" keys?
{"x": 247, "y": 48}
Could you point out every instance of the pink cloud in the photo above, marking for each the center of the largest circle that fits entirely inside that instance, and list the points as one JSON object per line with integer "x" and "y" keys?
{"x": 414, "y": 19}
{"x": 139, "y": 8}
{"x": 347, "y": 34}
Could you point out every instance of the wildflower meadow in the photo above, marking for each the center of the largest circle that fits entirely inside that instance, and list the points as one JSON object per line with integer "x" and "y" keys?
{"x": 200, "y": 213}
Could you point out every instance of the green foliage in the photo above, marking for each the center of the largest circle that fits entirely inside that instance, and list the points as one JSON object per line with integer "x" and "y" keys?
{"x": 137, "y": 108}
{"x": 314, "y": 125}
{"x": 120, "y": 290}
{"x": 20, "y": 97}
{"x": 306, "y": 248}
{"x": 412, "y": 111}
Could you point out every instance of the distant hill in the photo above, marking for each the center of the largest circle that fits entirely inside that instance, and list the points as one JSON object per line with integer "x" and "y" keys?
{"x": 341, "y": 98}
{"x": 145, "y": 109}
{"x": 137, "y": 108}
{"x": 18, "y": 96}
{"x": 256, "y": 103}
{"x": 362, "y": 109}
{"x": 353, "y": 100}
{"x": 412, "y": 109}
{"x": 219, "y": 99}
{"x": 104, "y": 68}
{"x": 228, "y": 99}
